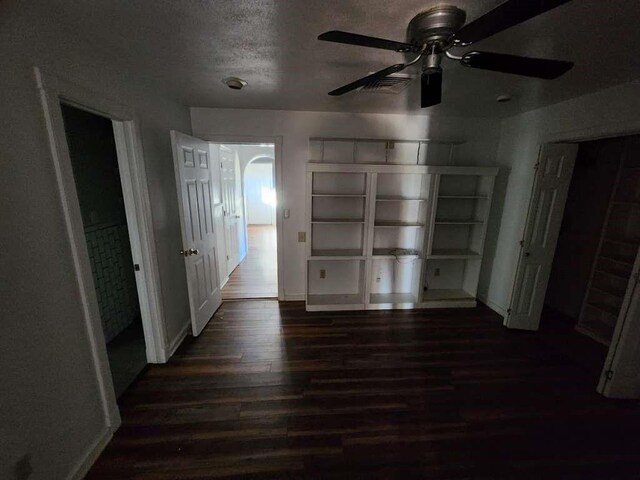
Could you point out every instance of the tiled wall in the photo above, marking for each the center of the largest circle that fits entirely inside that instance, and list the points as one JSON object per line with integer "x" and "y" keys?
{"x": 111, "y": 264}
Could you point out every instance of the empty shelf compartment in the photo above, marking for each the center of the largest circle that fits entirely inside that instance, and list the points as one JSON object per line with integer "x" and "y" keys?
{"x": 393, "y": 298}
{"x": 446, "y": 294}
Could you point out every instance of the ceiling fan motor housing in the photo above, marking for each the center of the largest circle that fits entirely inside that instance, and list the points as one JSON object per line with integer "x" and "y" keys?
{"x": 436, "y": 26}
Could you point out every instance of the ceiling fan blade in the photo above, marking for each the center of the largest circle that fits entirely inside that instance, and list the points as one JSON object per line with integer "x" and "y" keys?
{"x": 527, "y": 66}
{"x": 504, "y": 16}
{"x": 368, "y": 79}
{"x": 431, "y": 91}
{"x": 338, "y": 36}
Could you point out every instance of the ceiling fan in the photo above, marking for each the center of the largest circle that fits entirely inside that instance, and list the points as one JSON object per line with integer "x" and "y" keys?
{"x": 432, "y": 33}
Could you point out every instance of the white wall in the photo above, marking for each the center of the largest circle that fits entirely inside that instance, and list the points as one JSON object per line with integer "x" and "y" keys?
{"x": 246, "y": 153}
{"x": 611, "y": 112}
{"x": 49, "y": 401}
{"x": 295, "y": 128}
{"x": 258, "y": 194}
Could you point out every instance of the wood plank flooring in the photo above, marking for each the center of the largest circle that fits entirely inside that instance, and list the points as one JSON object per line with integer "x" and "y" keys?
{"x": 257, "y": 274}
{"x": 271, "y": 391}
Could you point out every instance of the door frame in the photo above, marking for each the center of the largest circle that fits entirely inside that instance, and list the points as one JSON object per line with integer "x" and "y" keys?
{"x": 608, "y": 130}
{"x": 277, "y": 161}
{"x": 53, "y": 92}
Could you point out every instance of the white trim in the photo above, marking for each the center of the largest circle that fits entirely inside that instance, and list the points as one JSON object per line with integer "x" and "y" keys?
{"x": 91, "y": 455}
{"x": 295, "y": 297}
{"x": 277, "y": 143}
{"x": 52, "y": 92}
{"x": 175, "y": 343}
{"x": 399, "y": 168}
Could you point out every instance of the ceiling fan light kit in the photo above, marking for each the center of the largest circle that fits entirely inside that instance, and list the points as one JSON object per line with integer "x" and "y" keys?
{"x": 431, "y": 34}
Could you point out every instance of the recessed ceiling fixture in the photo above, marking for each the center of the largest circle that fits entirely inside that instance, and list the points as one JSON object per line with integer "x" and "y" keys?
{"x": 234, "y": 83}
{"x": 431, "y": 34}
{"x": 505, "y": 97}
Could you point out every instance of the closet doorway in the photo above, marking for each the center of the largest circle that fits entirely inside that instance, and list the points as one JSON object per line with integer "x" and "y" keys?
{"x": 94, "y": 160}
{"x": 589, "y": 309}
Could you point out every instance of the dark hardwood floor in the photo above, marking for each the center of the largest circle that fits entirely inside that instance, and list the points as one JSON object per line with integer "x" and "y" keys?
{"x": 270, "y": 391}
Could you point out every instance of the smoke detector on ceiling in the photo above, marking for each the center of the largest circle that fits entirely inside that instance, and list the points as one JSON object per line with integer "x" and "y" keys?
{"x": 394, "y": 83}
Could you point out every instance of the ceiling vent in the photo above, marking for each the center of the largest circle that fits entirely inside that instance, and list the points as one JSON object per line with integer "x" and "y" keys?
{"x": 394, "y": 83}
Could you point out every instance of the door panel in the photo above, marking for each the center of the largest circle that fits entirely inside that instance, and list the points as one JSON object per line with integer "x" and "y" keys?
{"x": 549, "y": 194}
{"x": 620, "y": 377}
{"x": 193, "y": 177}
{"x": 232, "y": 215}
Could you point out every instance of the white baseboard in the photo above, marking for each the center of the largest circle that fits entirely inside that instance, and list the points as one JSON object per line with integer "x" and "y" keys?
{"x": 500, "y": 310}
{"x": 175, "y": 343}
{"x": 91, "y": 454}
{"x": 294, "y": 297}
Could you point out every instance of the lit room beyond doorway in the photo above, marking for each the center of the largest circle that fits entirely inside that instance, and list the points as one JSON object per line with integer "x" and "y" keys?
{"x": 249, "y": 171}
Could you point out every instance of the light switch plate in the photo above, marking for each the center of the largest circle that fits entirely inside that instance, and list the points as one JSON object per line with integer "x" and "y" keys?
{"x": 302, "y": 237}
{"x": 287, "y": 213}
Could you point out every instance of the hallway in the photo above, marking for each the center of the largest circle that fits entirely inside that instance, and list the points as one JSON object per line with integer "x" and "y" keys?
{"x": 257, "y": 274}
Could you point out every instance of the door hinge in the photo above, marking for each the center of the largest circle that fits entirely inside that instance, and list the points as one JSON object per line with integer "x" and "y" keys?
{"x": 608, "y": 374}
{"x": 227, "y": 257}
{"x": 537, "y": 165}
{"x": 521, "y": 243}
{"x": 508, "y": 311}
{"x": 136, "y": 267}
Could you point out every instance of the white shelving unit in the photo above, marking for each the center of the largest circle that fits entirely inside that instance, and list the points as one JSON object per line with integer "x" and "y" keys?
{"x": 461, "y": 203}
{"x": 395, "y": 236}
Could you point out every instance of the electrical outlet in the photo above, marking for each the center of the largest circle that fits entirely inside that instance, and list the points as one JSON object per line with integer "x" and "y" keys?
{"x": 323, "y": 273}
{"x": 302, "y": 237}
{"x": 436, "y": 272}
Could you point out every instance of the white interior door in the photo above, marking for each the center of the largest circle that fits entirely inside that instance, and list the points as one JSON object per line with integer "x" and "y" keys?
{"x": 550, "y": 189}
{"x": 233, "y": 226}
{"x": 620, "y": 377}
{"x": 193, "y": 164}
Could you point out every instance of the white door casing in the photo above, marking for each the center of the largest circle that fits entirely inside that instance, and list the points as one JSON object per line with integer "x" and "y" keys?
{"x": 620, "y": 377}
{"x": 193, "y": 164}
{"x": 542, "y": 227}
{"x": 232, "y": 211}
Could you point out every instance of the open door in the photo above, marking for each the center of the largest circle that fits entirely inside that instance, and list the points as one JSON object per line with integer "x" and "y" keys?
{"x": 193, "y": 165}
{"x": 233, "y": 211}
{"x": 548, "y": 197}
{"x": 620, "y": 377}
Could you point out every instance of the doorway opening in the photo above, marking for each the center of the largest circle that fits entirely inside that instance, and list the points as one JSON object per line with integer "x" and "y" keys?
{"x": 94, "y": 161}
{"x": 597, "y": 247}
{"x": 248, "y": 186}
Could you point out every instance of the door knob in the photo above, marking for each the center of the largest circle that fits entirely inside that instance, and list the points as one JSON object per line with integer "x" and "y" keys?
{"x": 193, "y": 251}
{"x": 184, "y": 253}
{"x": 527, "y": 254}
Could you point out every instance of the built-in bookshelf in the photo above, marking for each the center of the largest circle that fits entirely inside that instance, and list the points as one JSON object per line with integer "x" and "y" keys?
{"x": 617, "y": 254}
{"x": 395, "y": 236}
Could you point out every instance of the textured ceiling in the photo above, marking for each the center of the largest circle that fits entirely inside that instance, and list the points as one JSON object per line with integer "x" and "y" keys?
{"x": 188, "y": 46}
